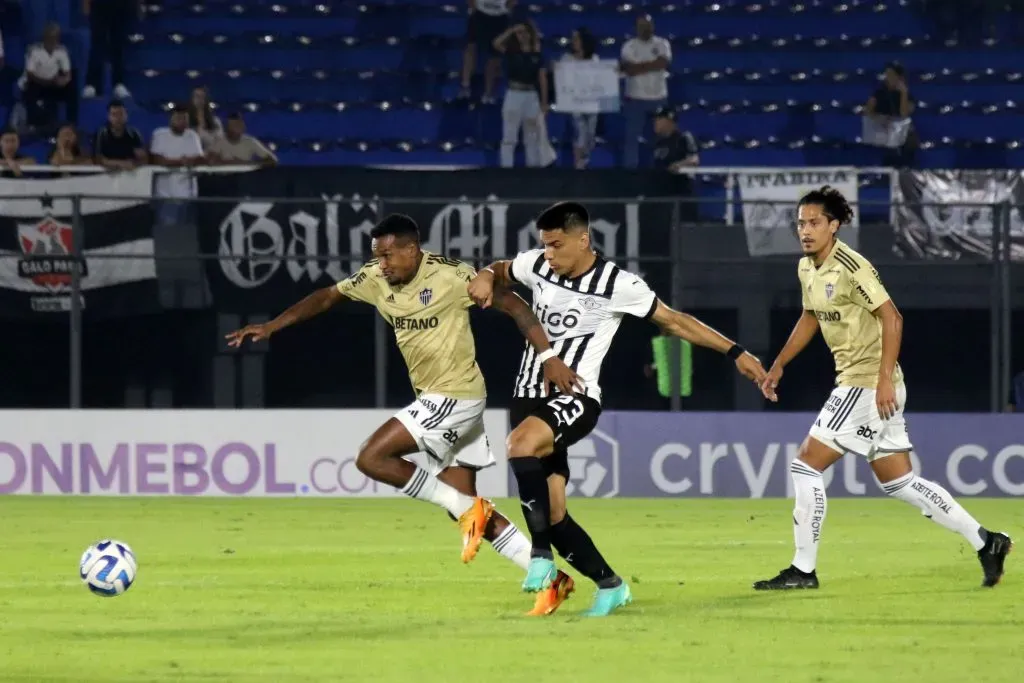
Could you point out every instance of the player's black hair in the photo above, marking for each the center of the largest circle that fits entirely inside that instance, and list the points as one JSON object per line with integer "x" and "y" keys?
{"x": 564, "y": 216}
{"x": 399, "y": 225}
{"x": 114, "y": 104}
{"x": 832, "y": 203}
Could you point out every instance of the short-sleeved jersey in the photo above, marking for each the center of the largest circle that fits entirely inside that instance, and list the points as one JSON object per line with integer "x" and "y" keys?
{"x": 843, "y": 294}
{"x": 580, "y": 316}
{"x": 430, "y": 318}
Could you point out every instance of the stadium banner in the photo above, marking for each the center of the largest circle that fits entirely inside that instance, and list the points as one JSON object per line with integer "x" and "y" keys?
{"x": 343, "y": 206}
{"x": 770, "y": 222}
{"x": 747, "y": 455}
{"x": 204, "y": 452}
{"x": 933, "y": 216}
{"x": 36, "y": 247}
{"x": 312, "y": 453}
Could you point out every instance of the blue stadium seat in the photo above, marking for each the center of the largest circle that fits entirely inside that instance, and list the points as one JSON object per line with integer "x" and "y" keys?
{"x": 758, "y": 82}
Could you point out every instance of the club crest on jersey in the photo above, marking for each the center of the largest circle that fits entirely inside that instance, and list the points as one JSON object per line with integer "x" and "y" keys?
{"x": 589, "y": 304}
{"x": 426, "y": 295}
{"x": 829, "y": 290}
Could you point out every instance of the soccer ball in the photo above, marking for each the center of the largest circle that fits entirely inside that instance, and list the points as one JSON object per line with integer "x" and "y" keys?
{"x": 108, "y": 568}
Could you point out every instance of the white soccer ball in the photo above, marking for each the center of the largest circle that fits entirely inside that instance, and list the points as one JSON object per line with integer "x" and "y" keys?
{"x": 108, "y": 568}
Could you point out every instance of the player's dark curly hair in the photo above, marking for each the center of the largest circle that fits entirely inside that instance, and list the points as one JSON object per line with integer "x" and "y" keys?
{"x": 832, "y": 203}
{"x": 399, "y": 225}
{"x": 564, "y": 216}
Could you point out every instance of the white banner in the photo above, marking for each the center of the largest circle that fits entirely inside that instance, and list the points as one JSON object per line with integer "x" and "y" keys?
{"x": 204, "y": 452}
{"x": 771, "y": 222}
{"x": 884, "y": 131}
{"x": 587, "y": 87}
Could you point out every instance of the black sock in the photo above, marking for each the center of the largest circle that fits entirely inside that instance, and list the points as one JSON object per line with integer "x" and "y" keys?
{"x": 533, "y": 494}
{"x": 574, "y": 544}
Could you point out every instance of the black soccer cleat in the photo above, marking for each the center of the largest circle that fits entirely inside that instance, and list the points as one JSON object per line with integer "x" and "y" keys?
{"x": 789, "y": 578}
{"x": 997, "y": 546}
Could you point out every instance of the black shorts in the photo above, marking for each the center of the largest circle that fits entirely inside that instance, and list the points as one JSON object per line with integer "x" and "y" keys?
{"x": 571, "y": 418}
{"x": 482, "y": 29}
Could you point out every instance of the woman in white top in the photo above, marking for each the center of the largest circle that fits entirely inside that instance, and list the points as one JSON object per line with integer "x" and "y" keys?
{"x": 583, "y": 47}
{"x": 201, "y": 118}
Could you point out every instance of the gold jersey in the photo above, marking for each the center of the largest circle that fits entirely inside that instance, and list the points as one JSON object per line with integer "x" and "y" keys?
{"x": 843, "y": 294}
{"x": 430, "y": 317}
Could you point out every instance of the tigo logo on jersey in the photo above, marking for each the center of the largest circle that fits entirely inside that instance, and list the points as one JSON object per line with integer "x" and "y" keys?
{"x": 426, "y": 295}
{"x": 594, "y": 467}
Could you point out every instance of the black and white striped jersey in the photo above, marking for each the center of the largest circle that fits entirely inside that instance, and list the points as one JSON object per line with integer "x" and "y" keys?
{"x": 580, "y": 316}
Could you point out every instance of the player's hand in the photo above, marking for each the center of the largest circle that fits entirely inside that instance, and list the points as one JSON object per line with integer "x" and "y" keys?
{"x": 751, "y": 368}
{"x": 481, "y": 289}
{"x": 885, "y": 398}
{"x": 257, "y": 332}
{"x": 558, "y": 374}
{"x": 771, "y": 382}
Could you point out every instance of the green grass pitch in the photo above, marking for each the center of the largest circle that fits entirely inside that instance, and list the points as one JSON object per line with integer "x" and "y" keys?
{"x": 373, "y": 590}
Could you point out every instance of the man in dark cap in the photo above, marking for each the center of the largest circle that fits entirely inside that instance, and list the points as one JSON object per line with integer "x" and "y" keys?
{"x": 675, "y": 148}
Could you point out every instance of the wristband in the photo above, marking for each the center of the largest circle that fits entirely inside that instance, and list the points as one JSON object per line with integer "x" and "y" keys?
{"x": 543, "y": 356}
{"x": 736, "y": 351}
{"x": 489, "y": 270}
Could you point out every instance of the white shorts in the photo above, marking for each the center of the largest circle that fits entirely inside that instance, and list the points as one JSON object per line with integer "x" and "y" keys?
{"x": 850, "y": 423}
{"x": 449, "y": 430}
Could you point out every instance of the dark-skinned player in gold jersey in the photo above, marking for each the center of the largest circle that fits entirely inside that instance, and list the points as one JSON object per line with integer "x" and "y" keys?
{"x": 423, "y": 296}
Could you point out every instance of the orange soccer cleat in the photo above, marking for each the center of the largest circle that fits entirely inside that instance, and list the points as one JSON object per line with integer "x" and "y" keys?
{"x": 472, "y": 523}
{"x": 550, "y": 599}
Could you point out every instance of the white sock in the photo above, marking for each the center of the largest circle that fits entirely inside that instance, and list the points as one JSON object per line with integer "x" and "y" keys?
{"x": 425, "y": 486}
{"x": 937, "y": 504}
{"x": 808, "y": 514}
{"x": 513, "y": 544}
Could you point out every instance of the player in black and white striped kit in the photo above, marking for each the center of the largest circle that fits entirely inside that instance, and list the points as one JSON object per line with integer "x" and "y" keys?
{"x": 580, "y": 300}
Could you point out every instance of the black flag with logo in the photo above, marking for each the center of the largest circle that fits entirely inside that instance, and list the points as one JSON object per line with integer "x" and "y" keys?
{"x": 273, "y": 253}
{"x": 37, "y": 244}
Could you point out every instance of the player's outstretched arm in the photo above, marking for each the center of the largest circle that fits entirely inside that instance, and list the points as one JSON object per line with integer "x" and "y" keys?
{"x": 555, "y": 370}
{"x": 803, "y": 332}
{"x": 495, "y": 276}
{"x": 316, "y": 303}
{"x": 685, "y": 326}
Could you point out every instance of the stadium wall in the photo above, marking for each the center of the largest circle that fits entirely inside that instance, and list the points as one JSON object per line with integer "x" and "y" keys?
{"x": 311, "y": 453}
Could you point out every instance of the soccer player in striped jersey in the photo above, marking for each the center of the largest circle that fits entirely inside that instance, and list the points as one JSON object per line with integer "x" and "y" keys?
{"x": 843, "y": 296}
{"x": 423, "y": 296}
{"x": 580, "y": 299}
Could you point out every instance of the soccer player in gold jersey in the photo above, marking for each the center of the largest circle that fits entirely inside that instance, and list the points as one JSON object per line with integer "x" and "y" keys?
{"x": 423, "y": 297}
{"x": 843, "y": 296}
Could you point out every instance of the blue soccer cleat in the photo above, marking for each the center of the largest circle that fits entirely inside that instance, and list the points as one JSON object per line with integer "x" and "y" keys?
{"x": 539, "y": 574}
{"x": 609, "y": 599}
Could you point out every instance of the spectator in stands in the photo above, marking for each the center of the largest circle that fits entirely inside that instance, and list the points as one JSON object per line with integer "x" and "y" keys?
{"x": 488, "y": 19}
{"x": 892, "y": 102}
{"x": 583, "y": 47}
{"x": 644, "y": 61}
{"x": 118, "y": 146}
{"x": 66, "y": 150}
{"x": 201, "y": 118}
{"x": 109, "y": 22}
{"x": 11, "y": 158}
{"x": 48, "y": 80}
{"x": 526, "y": 100}
{"x": 674, "y": 151}
{"x": 176, "y": 146}
{"x": 238, "y": 147}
